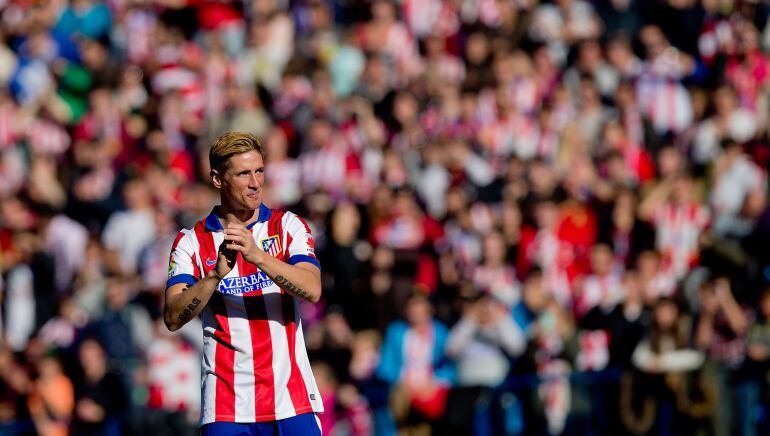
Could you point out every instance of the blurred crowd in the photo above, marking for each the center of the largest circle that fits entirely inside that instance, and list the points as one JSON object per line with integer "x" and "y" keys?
{"x": 541, "y": 217}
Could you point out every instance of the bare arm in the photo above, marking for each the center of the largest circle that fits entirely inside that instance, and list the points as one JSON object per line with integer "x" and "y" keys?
{"x": 511, "y": 337}
{"x": 735, "y": 316}
{"x": 643, "y": 357}
{"x": 302, "y": 280}
{"x": 460, "y": 335}
{"x": 680, "y": 360}
{"x": 704, "y": 331}
{"x": 668, "y": 361}
{"x": 184, "y": 302}
{"x": 656, "y": 197}
{"x": 112, "y": 260}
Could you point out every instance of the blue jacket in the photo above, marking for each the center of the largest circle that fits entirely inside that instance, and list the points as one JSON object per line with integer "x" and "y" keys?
{"x": 392, "y": 358}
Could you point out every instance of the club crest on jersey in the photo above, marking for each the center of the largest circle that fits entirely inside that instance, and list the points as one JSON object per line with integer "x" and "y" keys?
{"x": 171, "y": 266}
{"x": 271, "y": 245}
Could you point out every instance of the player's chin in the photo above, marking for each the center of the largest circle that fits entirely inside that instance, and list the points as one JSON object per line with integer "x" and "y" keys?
{"x": 252, "y": 201}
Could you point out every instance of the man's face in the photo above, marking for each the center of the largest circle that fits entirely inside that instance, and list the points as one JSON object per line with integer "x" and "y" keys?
{"x": 418, "y": 311}
{"x": 241, "y": 182}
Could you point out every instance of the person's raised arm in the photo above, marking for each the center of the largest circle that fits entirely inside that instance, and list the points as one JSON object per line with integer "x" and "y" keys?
{"x": 704, "y": 332}
{"x": 657, "y": 196}
{"x": 735, "y": 316}
{"x": 186, "y": 297}
{"x": 462, "y": 332}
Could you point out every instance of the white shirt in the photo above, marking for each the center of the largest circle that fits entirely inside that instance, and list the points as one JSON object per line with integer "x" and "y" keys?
{"x": 129, "y": 232}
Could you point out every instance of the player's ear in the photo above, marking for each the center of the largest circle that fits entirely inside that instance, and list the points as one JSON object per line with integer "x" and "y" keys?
{"x": 216, "y": 178}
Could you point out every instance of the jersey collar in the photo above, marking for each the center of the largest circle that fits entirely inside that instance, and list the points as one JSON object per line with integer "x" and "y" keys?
{"x": 213, "y": 224}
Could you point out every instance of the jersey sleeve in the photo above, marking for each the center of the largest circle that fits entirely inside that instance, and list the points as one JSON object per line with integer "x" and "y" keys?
{"x": 301, "y": 246}
{"x": 182, "y": 265}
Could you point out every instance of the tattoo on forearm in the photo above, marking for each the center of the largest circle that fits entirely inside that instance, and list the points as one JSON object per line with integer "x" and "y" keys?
{"x": 289, "y": 286}
{"x": 188, "y": 311}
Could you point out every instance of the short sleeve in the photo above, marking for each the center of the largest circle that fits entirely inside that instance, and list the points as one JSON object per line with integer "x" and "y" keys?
{"x": 182, "y": 266}
{"x": 301, "y": 246}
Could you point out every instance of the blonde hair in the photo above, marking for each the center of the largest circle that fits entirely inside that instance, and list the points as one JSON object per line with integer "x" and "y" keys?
{"x": 230, "y": 144}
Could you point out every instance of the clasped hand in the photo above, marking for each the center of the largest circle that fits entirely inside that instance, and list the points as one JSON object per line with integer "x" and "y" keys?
{"x": 239, "y": 238}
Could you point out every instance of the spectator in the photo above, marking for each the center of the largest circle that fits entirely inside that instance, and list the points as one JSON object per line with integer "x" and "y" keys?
{"x": 52, "y": 399}
{"x": 757, "y": 360}
{"x": 493, "y": 276}
{"x": 482, "y": 343}
{"x": 730, "y": 123}
{"x": 19, "y": 294}
{"x": 602, "y": 288}
{"x": 16, "y": 384}
{"x": 739, "y": 192}
{"x": 680, "y": 220}
{"x": 126, "y": 233}
{"x": 414, "y": 361}
{"x": 64, "y": 330}
{"x": 721, "y": 332}
{"x": 124, "y": 328}
{"x": 100, "y": 397}
{"x": 172, "y": 384}
{"x": 664, "y": 358}
{"x": 364, "y": 361}
{"x": 625, "y": 323}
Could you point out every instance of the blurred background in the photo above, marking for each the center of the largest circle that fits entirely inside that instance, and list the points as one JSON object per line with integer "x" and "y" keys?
{"x": 540, "y": 217}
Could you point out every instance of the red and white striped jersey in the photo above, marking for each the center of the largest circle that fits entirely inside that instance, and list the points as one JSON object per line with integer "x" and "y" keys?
{"x": 663, "y": 98}
{"x": 139, "y": 27}
{"x": 499, "y": 281}
{"x": 325, "y": 168}
{"x": 46, "y": 137}
{"x": 599, "y": 290}
{"x": 421, "y": 16}
{"x": 447, "y": 68}
{"x": 678, "y": 228}
{"x": 594, "y": 350}
{"x": 255, "y": 367}
{"x": 553, "y": 256}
